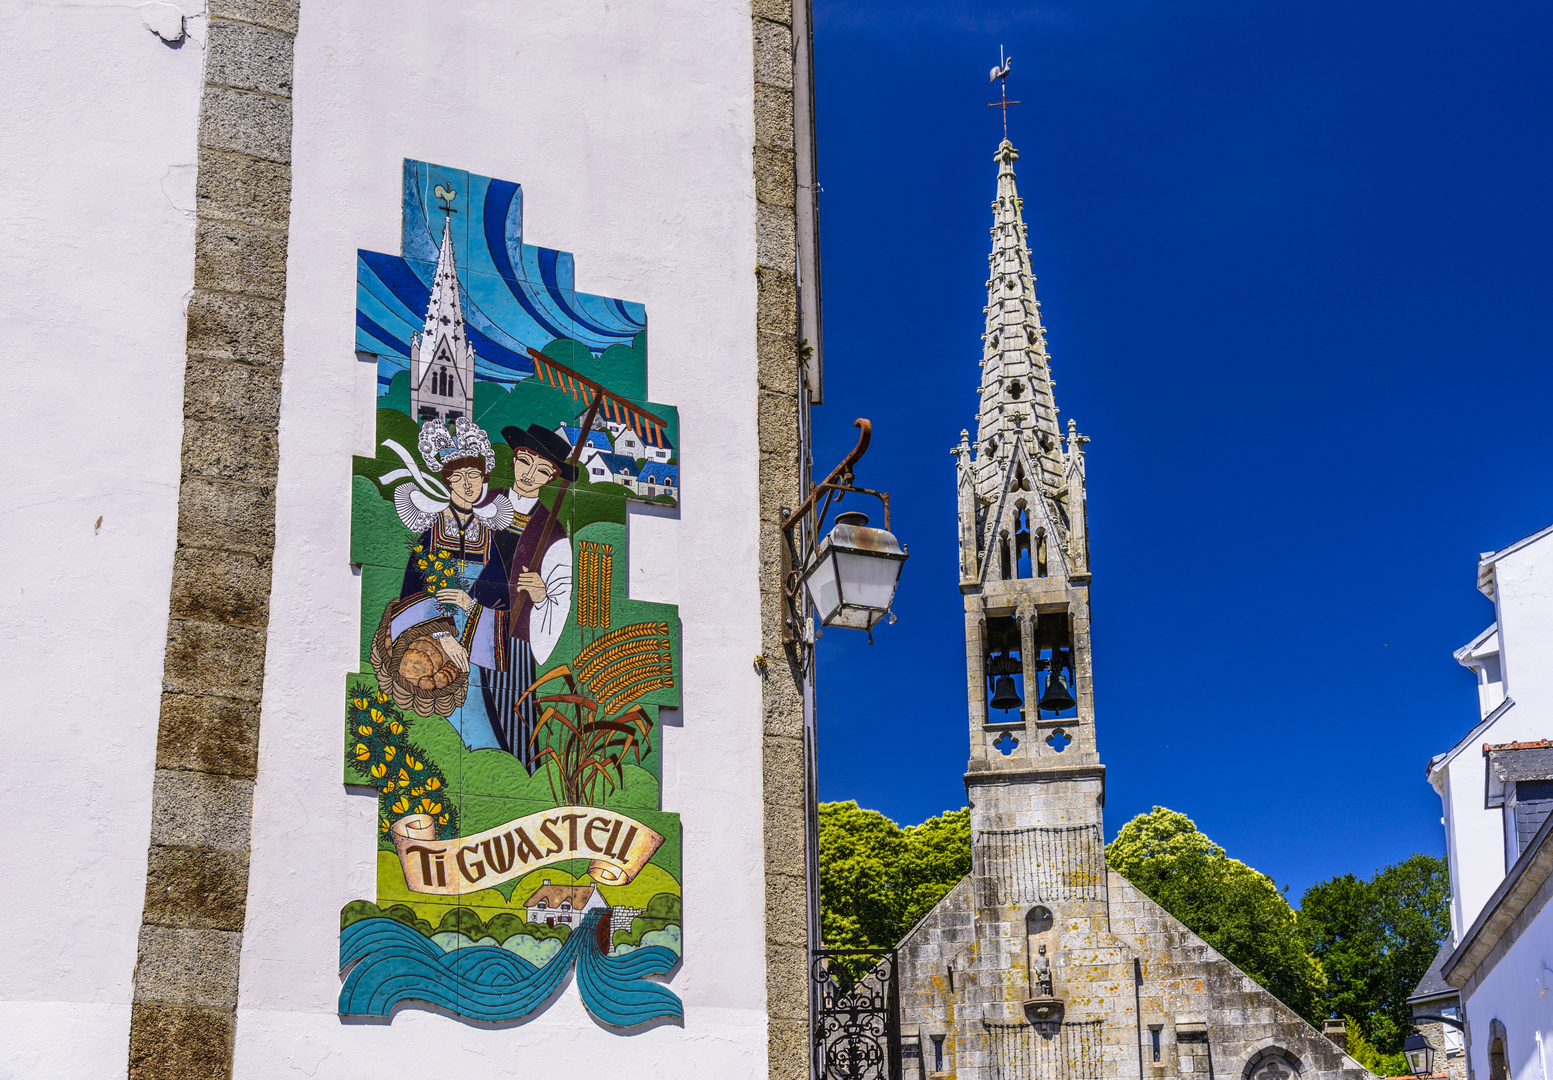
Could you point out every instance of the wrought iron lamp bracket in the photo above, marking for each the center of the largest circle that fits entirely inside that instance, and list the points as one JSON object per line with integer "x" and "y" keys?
{"x": 802, "y": 528}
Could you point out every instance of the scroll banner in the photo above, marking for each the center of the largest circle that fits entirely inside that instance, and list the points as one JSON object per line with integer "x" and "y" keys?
{"x": 615, "y": 846}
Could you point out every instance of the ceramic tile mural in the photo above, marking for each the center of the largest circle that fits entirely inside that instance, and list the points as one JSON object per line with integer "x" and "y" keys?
{"x": 506, "y": 709}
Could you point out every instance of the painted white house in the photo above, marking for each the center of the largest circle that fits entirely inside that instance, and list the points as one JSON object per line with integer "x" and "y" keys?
{"x": 1496, "y": 790}
{"x": 657, "y": 447}
{"x": 597, "y": 442}
{"x": 562, "y": 905}
{"x": 658, "y": 479}
{"x": 628, "y": 445}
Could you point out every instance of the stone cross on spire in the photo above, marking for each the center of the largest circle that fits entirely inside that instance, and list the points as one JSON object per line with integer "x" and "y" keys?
{"x": 1016, "y": 382}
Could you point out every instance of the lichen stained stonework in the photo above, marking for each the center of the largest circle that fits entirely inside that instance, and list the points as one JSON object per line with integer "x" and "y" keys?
{"x": 505, "y": 712}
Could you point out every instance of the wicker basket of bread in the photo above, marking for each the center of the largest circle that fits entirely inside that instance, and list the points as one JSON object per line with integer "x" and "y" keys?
{"x": 414, "y": 670}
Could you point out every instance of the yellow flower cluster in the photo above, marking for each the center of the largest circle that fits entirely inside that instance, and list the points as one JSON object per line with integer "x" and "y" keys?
{"x": 439, "y": 569}
{"x": 408, "y": 783}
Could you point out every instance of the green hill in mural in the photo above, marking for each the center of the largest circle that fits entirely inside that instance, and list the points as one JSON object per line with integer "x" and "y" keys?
{"x": 620, "y": 368}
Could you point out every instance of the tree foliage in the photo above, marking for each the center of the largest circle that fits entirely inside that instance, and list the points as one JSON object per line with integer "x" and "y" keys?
{"x": 1232, "y": 907}
{"x": 878, "y": 879}
{"x": 1363, "y": 1051}
{"x": 1375, "y": 939}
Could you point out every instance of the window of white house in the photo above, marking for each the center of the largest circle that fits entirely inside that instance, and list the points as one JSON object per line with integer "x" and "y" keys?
{"x": 1453, "y": 1043}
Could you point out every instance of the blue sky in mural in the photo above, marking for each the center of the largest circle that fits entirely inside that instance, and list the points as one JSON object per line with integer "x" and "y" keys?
{"x": 518, "y": 296}
{"x": 1293, "y": 266}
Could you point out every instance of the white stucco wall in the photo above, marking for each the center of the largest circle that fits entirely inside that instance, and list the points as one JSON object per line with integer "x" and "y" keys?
{"x": 1523, "y": 599}
{"x": 96, "y": 262}
{"x": 1517, "y": 994}
{"x": 1475, "y": 834}
{"x": 630, "y": 129}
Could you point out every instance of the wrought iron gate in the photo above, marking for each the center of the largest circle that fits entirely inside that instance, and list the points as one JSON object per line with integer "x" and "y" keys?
{"x": 855, "y": 998}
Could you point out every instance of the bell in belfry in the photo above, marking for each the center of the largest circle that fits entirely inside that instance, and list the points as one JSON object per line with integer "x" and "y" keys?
{"x": 1056, "y": 698}
{"x": 1004, "y": 696}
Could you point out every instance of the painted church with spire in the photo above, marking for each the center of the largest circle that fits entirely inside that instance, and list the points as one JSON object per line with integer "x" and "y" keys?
{"x": 442, "y": 361}
{"x": 1043, "y": 962}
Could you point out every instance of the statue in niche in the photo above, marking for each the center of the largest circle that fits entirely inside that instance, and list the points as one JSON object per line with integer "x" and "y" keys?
{"x": 1043, "y": 1005}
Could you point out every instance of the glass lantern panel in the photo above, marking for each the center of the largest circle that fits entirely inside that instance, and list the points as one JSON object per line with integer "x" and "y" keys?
{"x": 823, "y": 589}
{"x": 867, "y": 580}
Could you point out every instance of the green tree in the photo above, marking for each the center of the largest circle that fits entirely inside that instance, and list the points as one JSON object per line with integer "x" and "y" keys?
{"x": 878, "y": 879}
{"x": 1232, "y": 907}
{"x": 1363, "y": 1051}
{"x": 1376, "y": 938}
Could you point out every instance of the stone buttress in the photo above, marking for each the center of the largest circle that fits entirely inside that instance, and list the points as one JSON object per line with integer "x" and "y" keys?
{"x": 980, "y": 999}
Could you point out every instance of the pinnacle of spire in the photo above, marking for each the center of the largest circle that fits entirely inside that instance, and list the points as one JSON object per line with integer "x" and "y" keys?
{"x": 445, "y": 308}
{"x": 1016, "y": 384}
{"x": 442, "y": 336}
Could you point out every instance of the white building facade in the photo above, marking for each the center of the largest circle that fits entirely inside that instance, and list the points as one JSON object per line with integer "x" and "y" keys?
{"x": 209, "y": 181}
{"x": 1496, "y": 790}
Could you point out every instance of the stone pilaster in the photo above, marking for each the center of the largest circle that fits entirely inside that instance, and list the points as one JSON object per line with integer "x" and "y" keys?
{"x": 186, "y": 976}
{"x": 782, "y": 415}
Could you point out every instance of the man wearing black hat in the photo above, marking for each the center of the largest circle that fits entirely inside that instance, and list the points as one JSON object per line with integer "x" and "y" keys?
{"x": 526, "y": 589}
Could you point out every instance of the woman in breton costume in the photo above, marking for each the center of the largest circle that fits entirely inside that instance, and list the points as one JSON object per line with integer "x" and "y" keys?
{"x": 471, "y": 524}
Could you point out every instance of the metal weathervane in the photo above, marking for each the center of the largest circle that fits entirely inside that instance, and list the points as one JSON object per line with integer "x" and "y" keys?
{"x": 1000, "y": 76}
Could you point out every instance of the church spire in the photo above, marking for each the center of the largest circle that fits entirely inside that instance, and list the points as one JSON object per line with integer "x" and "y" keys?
{"x": 442, "y": 362}
{"x": 1016, "y": 382}
{"x": 1024, "y": 545}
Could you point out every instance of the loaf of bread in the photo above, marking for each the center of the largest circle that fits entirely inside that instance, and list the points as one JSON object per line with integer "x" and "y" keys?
{"x": 416, "y": 670}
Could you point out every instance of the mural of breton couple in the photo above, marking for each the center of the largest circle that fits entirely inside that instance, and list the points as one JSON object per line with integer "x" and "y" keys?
{"x": 511, "y": 684}
{"x": 487, "y": 586}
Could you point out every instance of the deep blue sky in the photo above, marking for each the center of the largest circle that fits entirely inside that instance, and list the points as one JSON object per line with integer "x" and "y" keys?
{"x": 1294, "y": 261}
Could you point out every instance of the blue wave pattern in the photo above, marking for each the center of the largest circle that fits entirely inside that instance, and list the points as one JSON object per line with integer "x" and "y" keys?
{"x": 516, "y": 295}
{"x": 395, "y": 963}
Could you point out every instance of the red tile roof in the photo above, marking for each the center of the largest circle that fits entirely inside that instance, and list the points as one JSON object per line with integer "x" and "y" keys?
{"x": 1539, "y": 744}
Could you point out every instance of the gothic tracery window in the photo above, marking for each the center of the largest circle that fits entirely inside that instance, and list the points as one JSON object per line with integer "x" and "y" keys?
{"x": 1273, "y": 1063}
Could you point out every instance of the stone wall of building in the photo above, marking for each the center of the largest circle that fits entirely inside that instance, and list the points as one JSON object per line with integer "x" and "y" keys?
{"x": 1122, "y": 967}
{"x": 1185, "y": 980}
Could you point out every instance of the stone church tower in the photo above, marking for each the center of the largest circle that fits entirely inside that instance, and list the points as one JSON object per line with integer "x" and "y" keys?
{"x": 1044, "y": 963}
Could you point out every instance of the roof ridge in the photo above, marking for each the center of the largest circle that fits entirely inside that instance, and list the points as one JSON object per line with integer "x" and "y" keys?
{"x": 1535, "y": 744}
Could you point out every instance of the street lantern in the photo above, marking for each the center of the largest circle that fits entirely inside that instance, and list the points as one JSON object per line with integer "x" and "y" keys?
{"x": 850, "y": 574}
{"x": 1419, "y": 1054}
{"x": 852, "y": 579}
